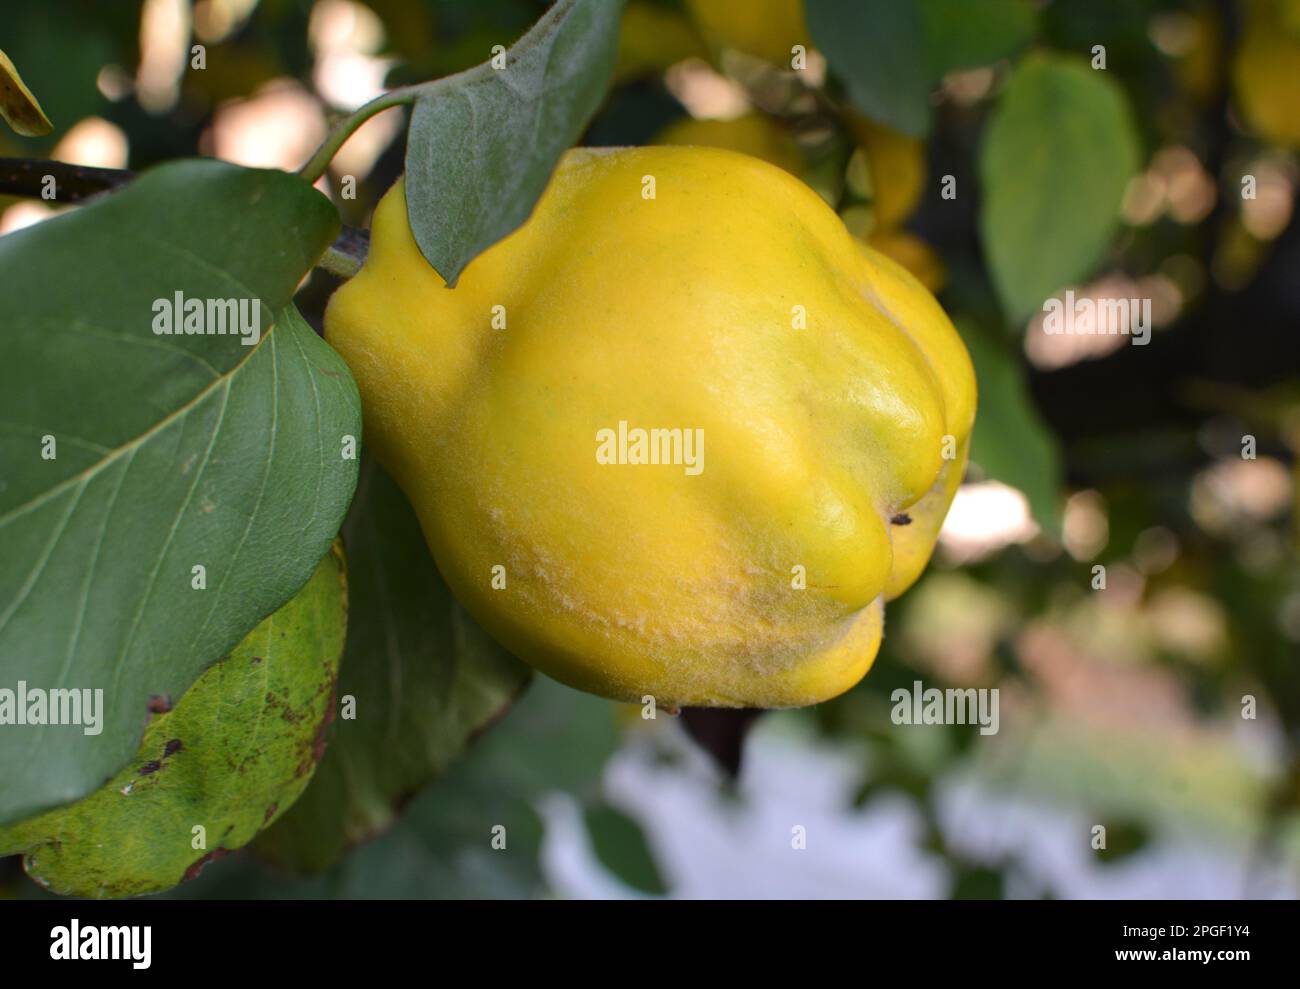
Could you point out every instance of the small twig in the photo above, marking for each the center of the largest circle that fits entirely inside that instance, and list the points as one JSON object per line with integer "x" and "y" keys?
{"x": 29, "y": 177}
{"x": 347, "y": 254}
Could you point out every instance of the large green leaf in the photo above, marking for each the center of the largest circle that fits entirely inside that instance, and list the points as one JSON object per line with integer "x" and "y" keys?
{"x": 425, "y": 679}
{"x": 1011, "y": 443}
{"x": 964, "y": 34}
{"x": 233, "y": 754}
{"x": 482, "y": 144}
{"x": 878, "y": 48}
{"x": 1059, "y": 152}
{"x": 172, "y": 452}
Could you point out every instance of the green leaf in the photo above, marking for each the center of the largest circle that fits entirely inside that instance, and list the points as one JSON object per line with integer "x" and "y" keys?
{"x": 621, "y": 846}
{"x": 965, "y": 34}
{"x": 424, "y": 677}
{"x": 554, "y": 739}
{"x": 977, "y": 882}
{"x": 1124, "y": 838}
{"x": 1011, "y": 442}
{"x": 231, "y": 756}
{"x": 482, "y": 144}
{"x": 876, "y": 47}
{"x": 168, "y": 452}
{"x": 1059, "y": 152}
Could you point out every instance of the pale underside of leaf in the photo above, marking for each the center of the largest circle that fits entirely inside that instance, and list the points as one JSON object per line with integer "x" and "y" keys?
{"x": 482, "y": 144}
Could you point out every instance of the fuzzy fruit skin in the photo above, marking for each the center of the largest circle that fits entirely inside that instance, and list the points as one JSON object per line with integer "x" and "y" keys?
{"x": 674, "y": 312}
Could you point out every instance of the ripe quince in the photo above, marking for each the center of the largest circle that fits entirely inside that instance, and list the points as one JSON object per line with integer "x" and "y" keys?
{"x": 1266, "y": 72}
{"x": 912, "y": 253}
{"x": 679, "y": 435}
{"x": 751, "y": 134}
{"x": 651, "y": 38}
{"x": 897, "y": 166}
{"x": 767, "y": 29}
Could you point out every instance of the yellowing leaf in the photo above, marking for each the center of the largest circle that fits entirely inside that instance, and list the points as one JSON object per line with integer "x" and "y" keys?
{"x": 17, "y": 104}
{"x": 233, "y": 754}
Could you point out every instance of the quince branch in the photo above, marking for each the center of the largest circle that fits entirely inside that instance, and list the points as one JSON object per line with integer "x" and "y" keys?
{"x": 76, "y": 183}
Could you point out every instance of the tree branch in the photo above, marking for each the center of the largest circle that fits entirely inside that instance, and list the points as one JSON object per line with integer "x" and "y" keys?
{"x": 72, "y": 183}
{"x": 77, "y": 183}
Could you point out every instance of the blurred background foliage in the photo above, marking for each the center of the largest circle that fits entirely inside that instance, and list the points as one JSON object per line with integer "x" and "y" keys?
{"x": 1164, "y": 706}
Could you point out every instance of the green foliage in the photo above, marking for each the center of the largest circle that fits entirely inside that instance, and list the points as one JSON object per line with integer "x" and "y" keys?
{"x": 1011, "y": 443}
{"x": 181, "y": 450}
{"x": 172, "y": 452}
{"x": 873, "y": 45}
{"x": 1059, "y": 152}
{"x": 965, "y": 34}
{"x": 892, "y": 54}
{"x": 232, "y": 755}
{"x": 621, "y": 847}
{"x": 1123, "y": 838}
{"x": 425, "y": 680}
{"x": 553, "y": 740}
{"x": 482, "y": 145}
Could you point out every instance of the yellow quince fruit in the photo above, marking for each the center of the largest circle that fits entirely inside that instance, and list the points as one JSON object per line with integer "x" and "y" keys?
{"x": 767, "y": 29}
{"x": 912, "y": 253}
{"x": 751, "y": 134}
{"x": 897, "y": 166}
{"x": 678, "y": 435}
{"x": 651, "y": 38}
{"x": 1266, "y": 73}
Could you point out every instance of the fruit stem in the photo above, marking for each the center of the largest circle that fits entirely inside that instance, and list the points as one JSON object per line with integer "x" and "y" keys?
{"x": 349, "y": 125}
{"x": 347, "y": 254}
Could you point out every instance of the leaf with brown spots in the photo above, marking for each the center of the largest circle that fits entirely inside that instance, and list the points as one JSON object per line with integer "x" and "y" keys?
{"x": 220, "y": 759}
